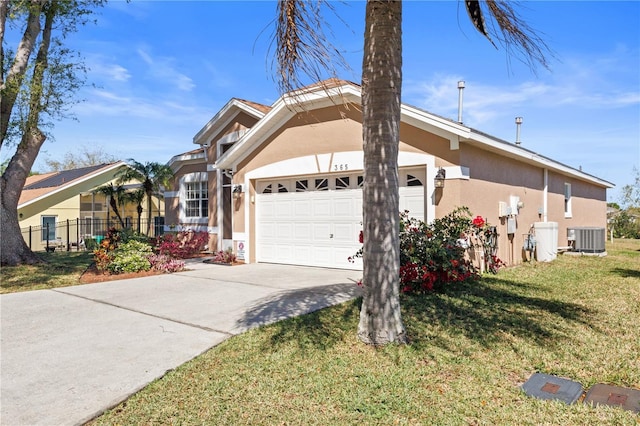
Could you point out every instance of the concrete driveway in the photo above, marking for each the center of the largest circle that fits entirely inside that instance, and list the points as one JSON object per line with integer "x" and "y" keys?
{"x": 71, "y": 353}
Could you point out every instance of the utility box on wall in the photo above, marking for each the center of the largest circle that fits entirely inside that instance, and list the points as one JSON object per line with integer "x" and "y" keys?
{"x": 546, "y": 241}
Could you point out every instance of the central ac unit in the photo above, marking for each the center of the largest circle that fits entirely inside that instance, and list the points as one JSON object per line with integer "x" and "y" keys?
{"x": 587, "y": 239}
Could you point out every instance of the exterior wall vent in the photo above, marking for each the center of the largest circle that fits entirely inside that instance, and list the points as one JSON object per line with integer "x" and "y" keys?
{"x": 587, "y": 239}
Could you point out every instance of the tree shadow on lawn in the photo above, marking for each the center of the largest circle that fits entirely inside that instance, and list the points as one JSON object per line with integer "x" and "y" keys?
{"x": 318, "y": 328}
{"x": 489, "y": 311}
{"x": 627, "y": 273}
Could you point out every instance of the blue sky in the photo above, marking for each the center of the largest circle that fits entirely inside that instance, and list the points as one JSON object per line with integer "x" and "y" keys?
{"x": 162, "y": 69}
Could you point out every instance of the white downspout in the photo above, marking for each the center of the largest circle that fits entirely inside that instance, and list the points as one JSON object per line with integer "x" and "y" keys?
{"x": 545, "y": 195}
{"x": 219, "y": 199}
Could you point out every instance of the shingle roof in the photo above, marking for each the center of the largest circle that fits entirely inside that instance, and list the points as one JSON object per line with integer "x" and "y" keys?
{"x": 40, "y": 185}
{"x": 65, "y": 176}
{"x": 259, "y": 107}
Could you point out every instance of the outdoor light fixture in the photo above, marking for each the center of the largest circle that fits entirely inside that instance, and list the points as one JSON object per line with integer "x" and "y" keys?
{"x": 237, "y": 191}
{"x": 440, "y": 177}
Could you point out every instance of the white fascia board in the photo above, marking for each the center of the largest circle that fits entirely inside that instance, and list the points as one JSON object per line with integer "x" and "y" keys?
{"x": 74, "y": 183}
{"x": 282, "y": 111}
{"x": 433, "y": 124}
{"x": 513, "y": 151}
{"x": 227, "y": 113}
{"x": 178, "y": 161}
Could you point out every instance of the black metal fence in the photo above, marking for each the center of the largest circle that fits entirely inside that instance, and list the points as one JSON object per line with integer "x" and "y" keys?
{"x": 82, "y": 234}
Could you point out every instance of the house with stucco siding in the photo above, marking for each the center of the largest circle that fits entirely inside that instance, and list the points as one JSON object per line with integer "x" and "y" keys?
{"x": 283, "y": 183}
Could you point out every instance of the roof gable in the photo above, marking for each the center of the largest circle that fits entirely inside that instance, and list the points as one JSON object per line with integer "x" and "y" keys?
{"x": 339, "y": 92}
{"x": 225, "y": 116}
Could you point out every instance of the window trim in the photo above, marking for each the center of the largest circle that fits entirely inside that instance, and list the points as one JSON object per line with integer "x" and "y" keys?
{"x": 196, "y": 177}
{"x": 42, "y": 234}
{"x": 567, "y": 200}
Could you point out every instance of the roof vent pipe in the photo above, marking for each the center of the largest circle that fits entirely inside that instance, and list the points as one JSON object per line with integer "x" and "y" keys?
{"x": 460, "y": 90}
{"x": 518, "y": 124}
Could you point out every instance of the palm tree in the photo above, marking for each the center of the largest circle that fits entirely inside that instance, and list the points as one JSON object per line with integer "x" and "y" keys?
{"x": 116, "y": 196}
{"x": 302, "y": 48}
{"x": 136, "y": 197}
{"x": 152, "y": 176}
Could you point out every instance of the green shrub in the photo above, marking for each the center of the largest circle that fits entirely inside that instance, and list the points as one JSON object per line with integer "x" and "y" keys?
{"x": 131, "y": 256}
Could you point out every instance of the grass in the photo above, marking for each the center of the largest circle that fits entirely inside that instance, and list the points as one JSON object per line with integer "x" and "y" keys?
{"x": 471, "y": 348}
{"x": 61, "y": 269}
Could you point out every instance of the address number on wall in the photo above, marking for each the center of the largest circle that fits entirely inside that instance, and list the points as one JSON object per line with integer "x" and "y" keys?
{"x": 340, "y": 167}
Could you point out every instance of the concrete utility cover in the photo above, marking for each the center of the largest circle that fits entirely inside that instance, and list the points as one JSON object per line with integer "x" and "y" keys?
{"x": 628, "y": 399}
{"x": 545, "y": 386}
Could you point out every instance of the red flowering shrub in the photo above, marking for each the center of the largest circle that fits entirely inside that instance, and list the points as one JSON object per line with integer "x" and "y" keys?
{"x": 225, "y": 256}
{"x": 181, "y": 245}
{"x": 478, "y": 222}
{"x": 432, "y": 256}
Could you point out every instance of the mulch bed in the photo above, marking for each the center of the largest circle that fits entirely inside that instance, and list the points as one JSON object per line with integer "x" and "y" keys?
{"x": 93, "y": 275}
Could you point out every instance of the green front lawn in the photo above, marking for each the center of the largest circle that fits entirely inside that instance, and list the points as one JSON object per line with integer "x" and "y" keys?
{"x": 61, "y": 269}
{"x": 471, "y": 348}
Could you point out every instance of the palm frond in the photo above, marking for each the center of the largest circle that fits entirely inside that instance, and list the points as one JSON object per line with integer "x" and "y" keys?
{"x": 510, "y": 30}
{"x": 304, "y": 54}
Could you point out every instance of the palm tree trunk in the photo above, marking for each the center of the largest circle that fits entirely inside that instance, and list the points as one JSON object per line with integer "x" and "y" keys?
{"x": 380, "y": 319}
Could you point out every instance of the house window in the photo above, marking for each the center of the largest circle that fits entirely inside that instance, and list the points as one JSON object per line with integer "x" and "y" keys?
{"x": 196, "y": 199}
{"x": 360, "y": 181}
{"x": 567, "y": 200}
{"x": 302, "y": 185}
{"x": 322, "y": 185}
{"x": 413, "y": 181}
{"x": 342, "y": 182}
{"x": 272, "y": 188}
{"x": 50, "y": 233}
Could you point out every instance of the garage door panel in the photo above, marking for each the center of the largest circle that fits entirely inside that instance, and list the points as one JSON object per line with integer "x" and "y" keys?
{"x": 322, "y": 207}
{"x": 267, "y": 209}
{"x": 321, "y": 232}
{"x": 317, "y": 228}
{"x": 284, "y": 208}
{"x": 322, "y": 256}
{"x": 345, "y": 233}
{"x": 343, "y": 208}
{"x": 283, "y": 253}
{"x": 303, "y": 208}
{"x": 302, "y": 231}
{"x": 285, "y": 231}
{"x": 268, "y": 230}
{"x": 302, "y": 254}
{"x": 341, "y": 258}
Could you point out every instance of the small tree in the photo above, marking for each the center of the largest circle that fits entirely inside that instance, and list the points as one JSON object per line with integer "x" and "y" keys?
{"x": 631, "y": 192}
{"x": 136, "y": 197}
{"x": 152, "y": 175}
{"x": 116, "y": 196}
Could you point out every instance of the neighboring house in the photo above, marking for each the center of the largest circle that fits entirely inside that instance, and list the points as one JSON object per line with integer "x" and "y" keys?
{"x": 54, "y": 198}
{"x": 282, "y": 184}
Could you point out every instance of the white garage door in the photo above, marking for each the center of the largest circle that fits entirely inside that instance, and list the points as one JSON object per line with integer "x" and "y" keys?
{"x": 315, "y": 221}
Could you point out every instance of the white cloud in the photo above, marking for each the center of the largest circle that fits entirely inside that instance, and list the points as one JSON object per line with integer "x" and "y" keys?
{"x": 603, "y": 83}
{"x": 100, "y": 68}
{"x": 162, "y": 68}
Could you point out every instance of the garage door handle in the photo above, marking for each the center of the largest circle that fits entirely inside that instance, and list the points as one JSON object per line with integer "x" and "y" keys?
{"x": 330, "y": 235}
